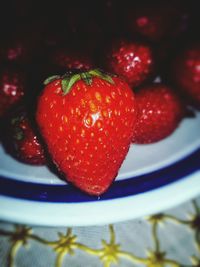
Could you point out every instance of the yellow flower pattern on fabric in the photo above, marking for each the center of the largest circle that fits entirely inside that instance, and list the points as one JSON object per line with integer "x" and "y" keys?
{"x": 111, "y": 252}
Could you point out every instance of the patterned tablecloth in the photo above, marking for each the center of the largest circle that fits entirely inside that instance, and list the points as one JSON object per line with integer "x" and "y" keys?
{"x": 171, "y": 238}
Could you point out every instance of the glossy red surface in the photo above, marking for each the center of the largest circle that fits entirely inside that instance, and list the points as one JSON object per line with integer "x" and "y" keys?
{"x": 159, "y": 113}
{"x": 22, "y": 139}
{"x": 88, "y": 131}
{"x": 133, "y": 61}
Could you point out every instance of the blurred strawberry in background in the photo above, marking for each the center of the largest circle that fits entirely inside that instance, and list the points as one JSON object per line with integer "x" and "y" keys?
{"x": 158, "y": 20}
{"x": 63, "y": 59}
{"x": 131, "y": 60}
{"x": 160, "y": 110}
{"x": 21, "y": 139}
{"x": 17, "y": 50}
{"x": 186, "y": 73}
{"x": 13, "y": 85}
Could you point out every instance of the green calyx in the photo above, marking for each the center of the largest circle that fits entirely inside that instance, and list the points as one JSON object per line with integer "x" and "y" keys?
{"x": 17, "y": 131}
{"x": 18, "y": 134}
{"x": 70, "y": 78}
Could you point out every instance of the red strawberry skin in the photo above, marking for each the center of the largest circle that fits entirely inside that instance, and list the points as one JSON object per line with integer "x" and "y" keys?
{"x": 159, "y": 112}
{"x": 132, "y": 61}
{"x": 186, "y": 73}
{"x": 88, "y": 131}
{"x": 12, "y": 88}
{"x": 21, "y": 139}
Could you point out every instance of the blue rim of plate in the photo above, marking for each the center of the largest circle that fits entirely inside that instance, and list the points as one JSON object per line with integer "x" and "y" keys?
{"x": 119, "y": 189}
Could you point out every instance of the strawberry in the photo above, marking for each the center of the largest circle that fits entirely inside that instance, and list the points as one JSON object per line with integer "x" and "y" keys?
{"x": 131, "y": 60}
{"x": 22, "y": 45}
{"x": 12, "y": 88}
{"x": 21, "y": 138}
{"x": 159, "y": 112}
{"x": 87, "y": 120}
{"x": 16, "y": 50}
{"x": 70, "y": 59}
{"x": 157, "y": 21}
{"x": 186, "y": 73}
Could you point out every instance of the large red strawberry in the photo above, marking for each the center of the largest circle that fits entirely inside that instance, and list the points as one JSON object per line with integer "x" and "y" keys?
{"x": 186, "y": 73}
{"x": 21, "y": 138}
{"x": 87, "y": 120}
{"x": 131, "y": 60}
{"x": 160, "y": 111}
{"x": 12, "y": 88}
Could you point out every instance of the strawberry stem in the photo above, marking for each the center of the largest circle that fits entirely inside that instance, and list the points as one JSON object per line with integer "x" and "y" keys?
{"x": 102, "y": 75}
{"x": 86, "y": 77}
{"x": 70, "y": 78}
{"x": 51, "y": 79}
{"x": 67, "y": 83}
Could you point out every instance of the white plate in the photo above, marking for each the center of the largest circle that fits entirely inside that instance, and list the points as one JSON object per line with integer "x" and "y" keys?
{"x": 152, "y": 178}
